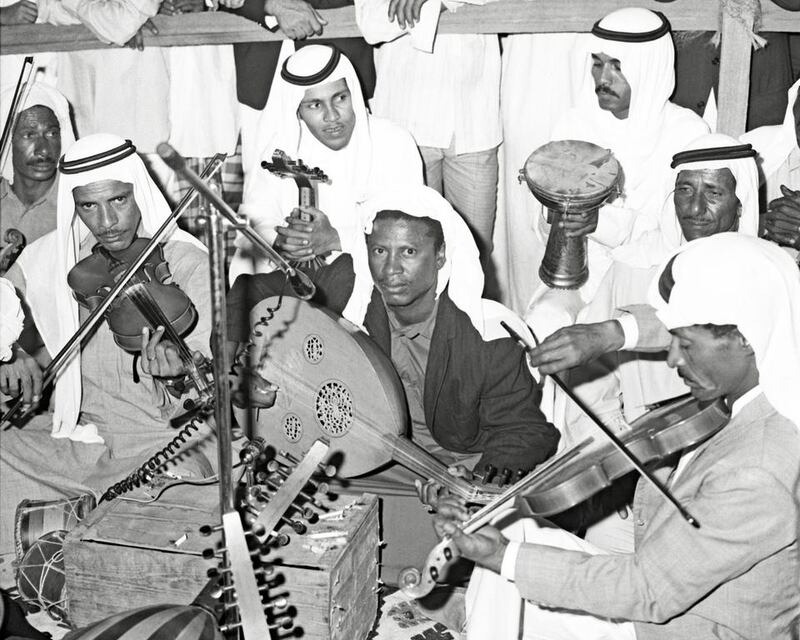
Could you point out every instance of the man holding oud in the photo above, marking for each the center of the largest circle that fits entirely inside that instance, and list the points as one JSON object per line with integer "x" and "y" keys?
{"x": 731, "y": 304}
{"x": 414, "y": 282}
{"x": 111, "y": 408}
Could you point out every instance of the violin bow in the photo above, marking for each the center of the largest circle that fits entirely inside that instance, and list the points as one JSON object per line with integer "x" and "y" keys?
{"x": 20, "y": 94}
{"x": 620, "y": 446}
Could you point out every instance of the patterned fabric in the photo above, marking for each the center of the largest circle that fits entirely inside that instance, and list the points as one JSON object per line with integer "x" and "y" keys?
{"x": 159, "y": 622}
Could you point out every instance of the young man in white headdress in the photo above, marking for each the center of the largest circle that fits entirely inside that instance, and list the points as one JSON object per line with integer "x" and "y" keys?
{"x": 623, "y": 106}
{"x": 779, "y": 149}
{"x": 413, "y": 280}
{"x": 732, "y": 306}
{"x": 111, "y": 409}
{"x": 321, "y": 119}
{"x": 30, "y": 175}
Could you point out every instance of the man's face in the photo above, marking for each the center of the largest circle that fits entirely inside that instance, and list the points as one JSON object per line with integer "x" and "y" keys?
{"x": 110, "y": 211}
{"x": 405, "y": 264}
{"x": 712, "y": 366}
{"x": 328, "y": 113}
{"x": 612, "y": 89}
{"x": 705, "y": 202}
{"x": 36, "y": 144}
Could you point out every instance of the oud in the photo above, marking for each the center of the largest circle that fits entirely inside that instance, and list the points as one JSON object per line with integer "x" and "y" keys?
{"x": 334, "y": 383}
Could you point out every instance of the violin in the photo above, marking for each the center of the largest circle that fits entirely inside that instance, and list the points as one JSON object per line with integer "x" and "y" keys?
{"x": 306, "y": 179}
{"x": 148, "y": 300}
{"x": 675, "y": 425}
{"x": 579, "y": 473}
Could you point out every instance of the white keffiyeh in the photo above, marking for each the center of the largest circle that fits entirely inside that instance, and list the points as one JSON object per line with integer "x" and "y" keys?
{"x": 50, "y": 259}
{"x": 731, "y": 278}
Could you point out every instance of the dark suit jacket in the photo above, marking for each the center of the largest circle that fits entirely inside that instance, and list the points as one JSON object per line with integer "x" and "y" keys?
{"x": 256, "y": 61}
{"x": 479, "y": 396}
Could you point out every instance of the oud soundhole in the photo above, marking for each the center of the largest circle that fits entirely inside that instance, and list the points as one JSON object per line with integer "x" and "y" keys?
{"x": 313, "y": 349}
{"x": 292, "y": 427}
{"x": 334, "y": 408}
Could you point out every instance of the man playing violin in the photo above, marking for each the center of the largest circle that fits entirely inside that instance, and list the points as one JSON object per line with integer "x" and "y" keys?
{"x": 111, "y": 408}
{"x": 731, "y": 304}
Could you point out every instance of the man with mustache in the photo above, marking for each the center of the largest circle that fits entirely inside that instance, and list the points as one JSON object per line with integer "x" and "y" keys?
{"x": 731, "y": 304}
{"x": 111, "y": 409}
{"x": 623, "y": 106}
{"x": 716, "y": 190}
{"x": 28, "y": 186}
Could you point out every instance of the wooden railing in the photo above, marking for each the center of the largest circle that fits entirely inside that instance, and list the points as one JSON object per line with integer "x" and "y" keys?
{"x": 504, "y": 16}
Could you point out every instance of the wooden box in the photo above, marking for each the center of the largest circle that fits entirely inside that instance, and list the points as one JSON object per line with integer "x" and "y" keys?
{"x": 126, "y": 555}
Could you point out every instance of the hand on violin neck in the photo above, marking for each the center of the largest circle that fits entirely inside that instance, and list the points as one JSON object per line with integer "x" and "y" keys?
{"x": 305, "y": 239}
{"x": 486, "y": 547}
{"x": 161, "y": 358}
{"x": 576, "y": 345}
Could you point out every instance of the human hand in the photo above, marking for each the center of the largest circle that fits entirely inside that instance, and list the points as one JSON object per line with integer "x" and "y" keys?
{"x": 21, "y": 375}
{"x": 782, "y": 223}
{"x": 579, "y": 224}
{"x": 137, "y": 41}
{"x": 178, "y": 7}
{"x": 161, "y": 358}
{"x": 486, "y": 547}
{"x": 296, "y": 18}
{"x": 406, "y": 12}
{"x": 23, "y": 12}
{"x": 431, "y": 491}
{"x": 232, "y": 4}
{"x": 576, "y": 345}
{"x": 302, "y": 240}
{"x": 254, "y": 391}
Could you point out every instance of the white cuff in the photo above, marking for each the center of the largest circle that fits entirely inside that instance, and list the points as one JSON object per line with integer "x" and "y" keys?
{"x": 509, "y": 567}
{"x": 630, "y": 329}
{"x": 271, "y": 22}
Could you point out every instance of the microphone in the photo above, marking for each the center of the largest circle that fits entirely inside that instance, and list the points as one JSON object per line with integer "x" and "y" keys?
{"x": 300, "y": 282}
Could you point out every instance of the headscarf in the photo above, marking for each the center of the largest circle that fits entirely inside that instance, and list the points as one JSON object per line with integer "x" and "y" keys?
{"x": 775, "y": 143}
{"x": 378, "y": 155}
{"x": 650, "y": 249}
{"x": 461, "y": 273}
{"x": 346, "y": 168}
{"x": 101, "y": 156}
{"x": 731, "y": 278}
{"x": 40, "y": 94}
{"x": 640, "y": 39}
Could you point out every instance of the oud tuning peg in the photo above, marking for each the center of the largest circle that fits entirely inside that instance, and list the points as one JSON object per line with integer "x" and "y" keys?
{"x": 273, "y": 466}
{"x": 279, "y": 539}
{"x": 327, "y": 470}
{"x": 282, "y": 623}
{"x": 519, "y": 475}
{"x": 277, "y": 604}
{"x": 488, "y": 473}
{"x": 504, "y": 477}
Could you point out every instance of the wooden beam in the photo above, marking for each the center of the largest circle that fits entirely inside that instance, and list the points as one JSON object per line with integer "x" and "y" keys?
{"x": 505, "y": 16}
{"x": 734, "y": 77}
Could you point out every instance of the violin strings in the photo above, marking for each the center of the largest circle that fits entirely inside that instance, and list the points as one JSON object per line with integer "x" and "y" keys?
{"x": 155, "y": 316}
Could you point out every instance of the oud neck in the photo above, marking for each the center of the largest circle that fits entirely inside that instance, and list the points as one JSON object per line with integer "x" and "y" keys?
{"x": 419, "y": 461}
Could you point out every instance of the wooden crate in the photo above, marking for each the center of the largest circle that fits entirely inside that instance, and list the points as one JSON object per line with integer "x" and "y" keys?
{"x": 126, "y": 555}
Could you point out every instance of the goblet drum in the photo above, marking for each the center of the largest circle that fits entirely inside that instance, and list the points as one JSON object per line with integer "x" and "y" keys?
{"x": 569, "y": 177}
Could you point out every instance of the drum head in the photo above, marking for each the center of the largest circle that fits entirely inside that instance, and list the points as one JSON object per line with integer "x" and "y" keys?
{"x": 567, "y": 171}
